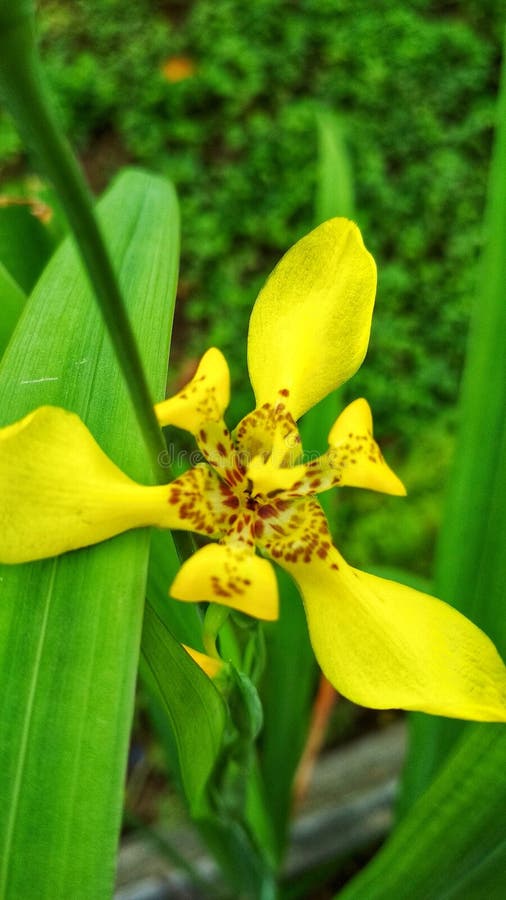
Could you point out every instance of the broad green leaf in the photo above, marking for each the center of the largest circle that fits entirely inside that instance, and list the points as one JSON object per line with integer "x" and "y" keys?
{"x": 25, "y": 244}
{"x": 471, "y": 561}
{"x": 194, "y": 707}
{"x": 454, "y": 832}
{"x": 482, "y": 880}
{"x": 70, "y": 627}
{"x": 12, "y": 301}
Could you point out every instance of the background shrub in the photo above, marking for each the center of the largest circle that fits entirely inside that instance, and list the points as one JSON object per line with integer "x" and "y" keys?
{"x": 221, "y": 97}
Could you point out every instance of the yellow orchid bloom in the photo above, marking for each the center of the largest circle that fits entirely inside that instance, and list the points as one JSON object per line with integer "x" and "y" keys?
{"x": 381, "y": 644}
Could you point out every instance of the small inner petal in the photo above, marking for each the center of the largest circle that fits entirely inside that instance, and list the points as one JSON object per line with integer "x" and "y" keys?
{"x": 268, "y": 479}
{"x": 356, "y": 457}
{"x": 269, "y": 447}
{"x": 204, "y": 399}
{"x": 353, "y": 459}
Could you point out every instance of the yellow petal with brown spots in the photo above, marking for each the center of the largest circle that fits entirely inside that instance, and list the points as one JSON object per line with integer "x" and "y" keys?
{"x": 230, "y": 574}
{"x": 204, "y": 399}
{"x": 355, "y": 456}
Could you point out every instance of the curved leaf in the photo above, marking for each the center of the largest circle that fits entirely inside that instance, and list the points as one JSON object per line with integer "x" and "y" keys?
{"x": 70, "y": 627}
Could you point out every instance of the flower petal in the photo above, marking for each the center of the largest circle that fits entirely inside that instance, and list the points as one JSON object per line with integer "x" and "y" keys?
{"x": 292, "y": 531}
{"x": 386, "y": 646}
{"x": 59, "y": 491}
{"x": 268, "y": 479}
{"x": 269, "y": 447}
{"x": 310, "y": 325}
{"x": 199, "y": 408}
{"x": 230, "y": 574}
{"x": 269, "y": 433}
{"x": 355, "y": 454}
{"x": 208, "y": 664}
{"x": 204, "y": 399}
{"x": 195, "y": 502}
{"x": 353, "y": 459}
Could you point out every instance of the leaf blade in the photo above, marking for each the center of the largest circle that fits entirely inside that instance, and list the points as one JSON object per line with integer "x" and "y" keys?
{"x": 75, "y": 739}
{"x": 12, "y": 301}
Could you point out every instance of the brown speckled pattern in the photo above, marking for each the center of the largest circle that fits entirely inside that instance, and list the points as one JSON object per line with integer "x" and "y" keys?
{"x": 288, "y": 525}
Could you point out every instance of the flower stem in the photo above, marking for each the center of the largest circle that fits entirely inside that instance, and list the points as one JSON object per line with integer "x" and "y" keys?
{"x": 22, "y": 86}
{"x": 216, "y": 615}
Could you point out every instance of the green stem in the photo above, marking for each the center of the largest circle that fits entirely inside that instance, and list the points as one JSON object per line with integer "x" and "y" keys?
{"x": 21, "y": 81}
{"x": 216, "y": 615}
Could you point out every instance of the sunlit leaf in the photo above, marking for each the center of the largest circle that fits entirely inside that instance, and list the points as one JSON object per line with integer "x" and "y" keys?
{"x": 450, "y": 833}
{"x": 191, "y": 702}
{"x": 12, "y": 301}
{"x": 70, "y": 628}
{"x": 26, "y": 243}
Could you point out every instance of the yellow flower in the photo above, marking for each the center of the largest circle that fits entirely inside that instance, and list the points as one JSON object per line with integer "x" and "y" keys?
{"x": 381, "y": 644}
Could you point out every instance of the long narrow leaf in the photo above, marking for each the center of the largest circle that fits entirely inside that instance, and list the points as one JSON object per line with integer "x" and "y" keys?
{"x": 449, "y": 832}
{"x": 193, "y": 706}
{"x": 183, "y": 620}
{"x": 334, "y": 192}
{"x": 190, "y": 718}
{"x": 25, "y": 244}
{"x": 471, "y": 564}
{"x": 12, "y": 301}
{"x": 70, "y": 628}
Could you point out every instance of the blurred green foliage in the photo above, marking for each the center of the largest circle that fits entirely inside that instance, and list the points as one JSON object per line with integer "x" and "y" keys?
{"x": 414, "y": 85}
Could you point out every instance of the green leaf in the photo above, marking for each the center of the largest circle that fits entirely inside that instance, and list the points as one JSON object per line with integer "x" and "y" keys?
{"x": 454, "y": 832}
{"x": 335, "y": 194}
{"x": 25, "y": 244}
{"x": 12, "y": 301}
{"x": 334, "y": 197}
{"x": 183, "y": 620}
{"x": 471, "y": 562}
{"x": 194, "y": 707}
{"x": 22, "y": 85}
{"x": 71, "y": 626}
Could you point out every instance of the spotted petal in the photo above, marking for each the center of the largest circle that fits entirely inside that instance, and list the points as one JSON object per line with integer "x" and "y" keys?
{"x": 353, "y": 458}
{"x": 199, "y": 408}
{"x": 204, "y": 399}
{"x": 230, "y": 574}
{"x": 59, "y": 491}
{"x": 355, "y": 455}
{"x": 310, "y": 325}
{"x": 385, "y": 645}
